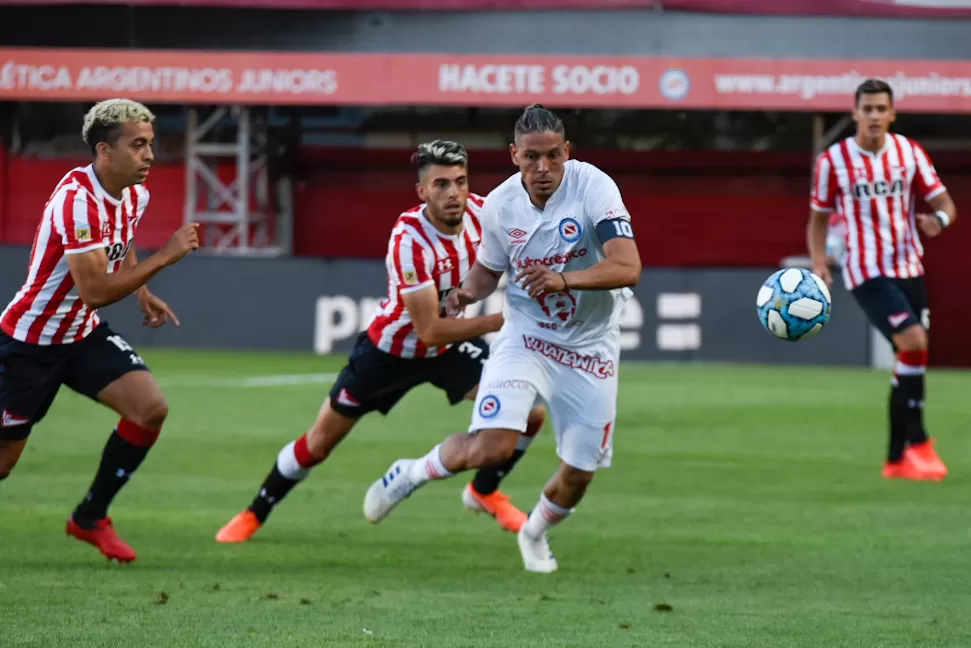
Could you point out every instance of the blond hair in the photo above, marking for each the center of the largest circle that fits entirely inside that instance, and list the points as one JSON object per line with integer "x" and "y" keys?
{"x": 105, "y": 120}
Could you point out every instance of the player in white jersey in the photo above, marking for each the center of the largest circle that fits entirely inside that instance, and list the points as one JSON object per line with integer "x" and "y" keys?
{"x": 561, "y": 229}
{"x": 409, "y": 342}
{"x": 83, "y": 258}
{"x": 872, "y": 180}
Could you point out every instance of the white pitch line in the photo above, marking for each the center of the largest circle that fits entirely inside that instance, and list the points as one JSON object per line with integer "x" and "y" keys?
{"x": 243, "y": 382}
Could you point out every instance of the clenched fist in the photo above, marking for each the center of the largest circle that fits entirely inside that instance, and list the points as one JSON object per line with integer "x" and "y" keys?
{"x": 185, "y": 239}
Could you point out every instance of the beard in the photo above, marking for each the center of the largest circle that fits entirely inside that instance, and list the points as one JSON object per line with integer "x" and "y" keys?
{"x": 452, "y": 220}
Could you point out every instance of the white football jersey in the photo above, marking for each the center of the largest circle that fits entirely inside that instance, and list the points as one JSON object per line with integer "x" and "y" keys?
{"x": 516, "y": 234}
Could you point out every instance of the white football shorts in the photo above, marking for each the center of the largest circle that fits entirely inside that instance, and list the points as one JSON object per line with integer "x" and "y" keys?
{"x": 579, "y": 387}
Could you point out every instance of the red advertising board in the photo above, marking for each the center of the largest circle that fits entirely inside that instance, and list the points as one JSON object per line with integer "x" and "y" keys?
{"x": 915, "y": 8}
{"x": 441, "y": 79}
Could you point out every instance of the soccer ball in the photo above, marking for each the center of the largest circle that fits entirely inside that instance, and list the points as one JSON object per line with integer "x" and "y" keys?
{"x": 794, "y": 304}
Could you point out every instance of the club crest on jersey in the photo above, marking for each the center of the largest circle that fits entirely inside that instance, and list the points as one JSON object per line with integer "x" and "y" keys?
{"x": 489, "y": 407}
{"x": 570, "y": 230}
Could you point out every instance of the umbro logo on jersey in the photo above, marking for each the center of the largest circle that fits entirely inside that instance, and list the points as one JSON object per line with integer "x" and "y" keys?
{"x": 518, "y": 236}
{"x": 9, "y": 419}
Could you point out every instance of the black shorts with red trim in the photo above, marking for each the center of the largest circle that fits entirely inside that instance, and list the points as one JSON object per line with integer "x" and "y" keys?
{"x": 32, "y": 374}
{"x": 374, "y": 380}
{"x": 894, "y": 305}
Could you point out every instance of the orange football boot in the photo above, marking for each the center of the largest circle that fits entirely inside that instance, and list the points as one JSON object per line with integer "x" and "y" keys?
{"x": 925, "y": 458}
{"x": 103, "y": 537}
{"x": 906, "y": 469}
{"x": 240, "y": 529}
{"x": 495, "y": 504}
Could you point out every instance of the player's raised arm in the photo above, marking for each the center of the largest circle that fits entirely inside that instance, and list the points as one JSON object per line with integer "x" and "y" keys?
{"x": 622, "y": 266}
{"x": 620, "y": 269}
{"x": 98, "y": 288}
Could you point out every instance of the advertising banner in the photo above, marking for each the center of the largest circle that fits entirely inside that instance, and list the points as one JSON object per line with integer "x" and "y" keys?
{"x": 320, "y": 306}
{"x": 213, "y": 77}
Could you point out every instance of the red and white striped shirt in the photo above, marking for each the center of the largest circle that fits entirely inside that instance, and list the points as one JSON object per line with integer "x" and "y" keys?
{"x": 876, "y": 195}
{"x": 419, "y": 256}
{"x": 80, "y": 216}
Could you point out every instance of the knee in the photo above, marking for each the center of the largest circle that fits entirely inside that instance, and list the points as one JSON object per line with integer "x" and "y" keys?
{"x": 913, "y": 340}
{"x": 152, "y": 413}
{"x": 328, "y": 431}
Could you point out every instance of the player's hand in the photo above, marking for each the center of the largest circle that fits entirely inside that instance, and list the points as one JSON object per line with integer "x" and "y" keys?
{"x": 457, "y": 300}
{"x": 538, "y": 280}
{"x": 156, "y": 311}
{"x": 929, "y": 225}
{"x": 185, "y": 239}
{"x": 821, "y": 270}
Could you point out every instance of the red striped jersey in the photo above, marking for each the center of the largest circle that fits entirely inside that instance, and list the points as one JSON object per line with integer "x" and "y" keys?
{"x": 80, "y": 216}
{"x": 876, "y": 195}
{"x": 419, "y": 256}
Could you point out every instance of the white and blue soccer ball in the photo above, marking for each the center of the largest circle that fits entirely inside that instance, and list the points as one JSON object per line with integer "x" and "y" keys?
{"x": 794, "y": 304}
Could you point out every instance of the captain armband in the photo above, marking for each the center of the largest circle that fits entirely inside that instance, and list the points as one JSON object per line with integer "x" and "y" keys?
{"x": 614, "y": 228}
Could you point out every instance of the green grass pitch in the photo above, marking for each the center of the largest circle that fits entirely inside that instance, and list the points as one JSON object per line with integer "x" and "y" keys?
{"x": 744, "y": 508}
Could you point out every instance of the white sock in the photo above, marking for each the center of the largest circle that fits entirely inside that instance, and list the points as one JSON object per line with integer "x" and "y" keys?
{"x": 545, "y": 515}
{"x": 429, "y": 467}
{"x": 287, "y": 464}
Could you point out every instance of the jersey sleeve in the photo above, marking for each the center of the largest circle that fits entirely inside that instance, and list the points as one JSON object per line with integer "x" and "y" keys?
{"x": 926, "y": 179}
{"x": 142, "y": 197}
{"x": 824, "y": 185}
{"x": 412, "y": 262}
{"x": 78, "y": 222}
{"x": 605, "y": 209}
{"x": 491, "y": 253}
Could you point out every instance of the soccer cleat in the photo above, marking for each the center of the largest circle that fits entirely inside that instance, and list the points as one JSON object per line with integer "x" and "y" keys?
{"x": 537, "y": 556}
{"x": 923, "y": 457}
{"x": 240, "y": 529}
{"x": 495, "y": 504}
{"x": 905, "y": 469}
{"x": 103, "y": 537}
{"x": 387, "y": 492}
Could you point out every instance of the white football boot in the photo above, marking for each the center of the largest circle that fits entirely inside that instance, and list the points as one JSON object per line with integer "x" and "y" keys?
{"x": 393, "y": 487}
{"x": 537, "y": 556}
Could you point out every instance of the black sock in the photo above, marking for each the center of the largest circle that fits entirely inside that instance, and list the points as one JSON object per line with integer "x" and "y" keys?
{"x": 487, "y": 479}
{"x": 275, "y": 487}
{"x": 118, "y": 461}
{"x": 912, "y": 391}
{"x": 899, "y": 417}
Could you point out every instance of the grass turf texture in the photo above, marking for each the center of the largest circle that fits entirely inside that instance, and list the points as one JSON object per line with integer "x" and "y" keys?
{"x": 744, "y": 508}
